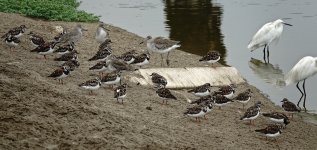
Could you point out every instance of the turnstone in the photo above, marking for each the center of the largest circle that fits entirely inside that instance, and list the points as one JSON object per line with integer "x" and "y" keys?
{"x": 289, "y": 106}
{"x": 161, "y": 45}
{"x": 270, "y": 131}
{"x": 45, "y": 49}
{"x": 99, "y": 67}
{"x": 211, "y": 57}
{"x": 71, "y": 64}
{"x": 60, "y": 73}
{"x": 101, "y": 33}
{"x": 277, "y": 117}
{"x": 158, "y": 80}
{"x": 220, "y": 100}
{"x": 252, "y": 112}
{"x": 128, "y": 57}
{"x": 93, "y": 84}
{"x": 68, "y": 56}
{"x": 198, "y": 111}
{"x": 65, "y": 49}
{"x": 36, "y": 40}
{"x": 202, "y": 100}
{"x": 244, "y": 97}
{"x": 73, "y": 36}
{"x": 12, "y": 41}
{"x": 111, "y": 79}
{"x": 15, "y": 32}
{"x": 227, "y": 91}
{"x": 100, "y": 56}
{"x": 120, "y": 92}
{"x": 165, "y": 94}
{"x": 201, "y": 91}
{"x": 141, "y": 60}
{"x": 105, "y": 46}
{"x": 118, "y": 65}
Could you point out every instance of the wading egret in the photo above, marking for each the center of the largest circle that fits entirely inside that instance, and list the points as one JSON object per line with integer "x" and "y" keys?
{"x": 270, "y": 32}
{"x": 305, "y": 68}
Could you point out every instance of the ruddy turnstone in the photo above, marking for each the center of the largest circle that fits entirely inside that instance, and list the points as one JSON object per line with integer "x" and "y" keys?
{"x": 105, "y": 46}
{"x": 244, "y": 97}
{"x": 277, "y": 117}
{"x": 211, "y": 57}
{"x": 71, "y": 64}
{"x": 227, "y": 91}
{"x": 161, "y": 45}
{"x": 68, "y": 56}
{"x": 202, "y": 100}
{"x": 201, "y": 91}
{"x": 127, "y": 57}
{"x": 73, "y": 36}
{"x": 111, "y": 79}
{"x": 99, "y": 67}
{"x": 120, "y": 92}
{"x": 252, "y": 112}
{"x": 158, "y": 80}
{"x": 100, "y": 56}
{"x": 65, "y": 49}
{"x": 15, "y": 32}
{"x": 198, "y": 111}
{"x": 289, "y": 106}
{"x": 12, "y": 41}
{"x": 35, "y": 39}
{"x": 141, "y": 60}
{"x": 165, "y": 94}
{"x": 220, "y": 100}
{"x": 272, "y": 130}
{"x": 91, "y": 85}
{"x": 101, "y": 33}
{"x": 60, "y": 73}
{"x": 45, "y": 49}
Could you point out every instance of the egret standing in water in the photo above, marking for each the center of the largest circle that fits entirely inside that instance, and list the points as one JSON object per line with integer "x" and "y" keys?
{"x": 305, "y": 68}
{"x": 270, "y": 32}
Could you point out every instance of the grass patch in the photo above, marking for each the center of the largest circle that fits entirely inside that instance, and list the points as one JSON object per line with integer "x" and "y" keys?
{"x": 61, "y": 10}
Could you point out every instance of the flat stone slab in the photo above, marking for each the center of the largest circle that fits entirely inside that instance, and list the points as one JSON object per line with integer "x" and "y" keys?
{"x": 190, "y": 77}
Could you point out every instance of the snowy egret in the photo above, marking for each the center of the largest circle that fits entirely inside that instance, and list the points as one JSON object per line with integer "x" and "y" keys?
{"x": 305, "y": 68}
{"x": 270, "y": 32}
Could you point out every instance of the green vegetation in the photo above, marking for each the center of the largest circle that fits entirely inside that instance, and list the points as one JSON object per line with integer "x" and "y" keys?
{"x": 62, "y": 10}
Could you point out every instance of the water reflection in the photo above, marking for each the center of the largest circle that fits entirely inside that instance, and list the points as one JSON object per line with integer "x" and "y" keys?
{"x": 271, "y": 74}
{"x": 197, "y": 24}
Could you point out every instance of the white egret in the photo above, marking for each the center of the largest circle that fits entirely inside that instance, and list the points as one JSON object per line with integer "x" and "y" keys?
{"x": 270, "y": 32}
{"x": 305, "y": 68}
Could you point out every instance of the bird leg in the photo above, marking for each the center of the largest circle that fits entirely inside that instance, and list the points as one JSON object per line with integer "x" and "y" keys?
{"x": 301, "y": 93}
{"x": 304, "y": 104}
{"x": 162, "y": 60}
{"x": 167, "y": 60}
{"x": 268, "y": 54}
{"x": 264, "y": 53}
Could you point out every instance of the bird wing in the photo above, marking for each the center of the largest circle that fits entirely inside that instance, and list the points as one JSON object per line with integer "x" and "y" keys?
{"x": 193, "y": 110}
{"x": 163, "y": 43}
{"x": 56, "y": 73}
{"x": 166, "y": 93}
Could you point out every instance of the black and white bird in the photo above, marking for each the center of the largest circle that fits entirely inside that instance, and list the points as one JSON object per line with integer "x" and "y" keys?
{"x": 128, "y": 57}
{"x": 220, "y": 100}
{"x": 35, "y": 39}
{"x": 68, "y": 56}
{"x": 228, "y": 91}
{"x": 165, "y": 94}
{"x": 289, "y": 107}
{"x": 91, "y": 85}
{"x": 111, "y": 79}
{"x": 71, "y": 64}
{"x": 114, "y": 64}
{"x": 198, "y": 111}
{"x": 60, "y": 73}
{"x": 105, "y": 46}
{"x": 15, "y": 32}
{"x": 271, "y": 131}
{"x": 65, "y": 49}
{"x": 158, "y": 80}
{"x": 45, "y": 49}
{"x": 161, "y": 45}
{"x": 12, "y": 41}
{"x": 211, "y": 57}
{"x": 101, "y": 55}
{"x": 120, "y": 92}
{"x": 202, "y": 100}
{"x": 201, "y": 91}
{"x": 99, "y": 67}
{"x": 243, "y": 97}
{"x": 101, "y": 33}
{"x": 252, "y": 112}
{"x": 141, "y": 60}
{"x": 277, "y": 117}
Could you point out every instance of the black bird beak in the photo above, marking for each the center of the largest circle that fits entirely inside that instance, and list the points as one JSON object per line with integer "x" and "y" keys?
{"x": 141, "y": 42}
{"x": 287, "y": 24}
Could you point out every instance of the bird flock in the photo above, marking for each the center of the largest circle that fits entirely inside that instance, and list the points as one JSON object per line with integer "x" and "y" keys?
{"x": 64, "y": 46}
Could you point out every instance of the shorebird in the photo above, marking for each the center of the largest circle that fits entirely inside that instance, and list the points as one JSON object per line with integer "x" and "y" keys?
{"x": 220, "y": 100}
{"x": 45, "y": 49}
{"x": 158, "y": 80}
{"x": 101, "y": 33}
{"x": 101, "y": 55}
{"x": 15, "y": 32}
{"x": 93, "y": 84}
{"x": 165, "y": 94}
{"x": 65, "y": 49}
{"x": 161, "y": 45}
{"x": 305, "y": 68}
{"x": 128, "y": 57}
{"x": 71, "y": 64}
{"x": 68, "y": 56}
{"x": 277, "y": 117}
{"x": 268, "y": 33}
{"x": 211, "y": 57}
{"x": 228, "y": 91}
{"x": 252, "y": 112}
{"x": 120, "y": 92}
{"x": 289, "y": 106}
{"x": 73, "y": 36}
{"x": 111, "y": 79}
{"x": 270, "y": 131}
{"x": 201, "y": 91}
{"x": 141, "y": 60}
{"x": 99, "y": 67}
{"x": 12, "y": 41}
{"x": 60, "y": 73}
{"x": 243, "y": 97}
{"x": 198, "y": 111}
{"x": 35, "y": 39}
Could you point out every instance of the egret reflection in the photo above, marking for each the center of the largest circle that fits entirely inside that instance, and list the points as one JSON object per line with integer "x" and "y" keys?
{"x": 271, "y": 74}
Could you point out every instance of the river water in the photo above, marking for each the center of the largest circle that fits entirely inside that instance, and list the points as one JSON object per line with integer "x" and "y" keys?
{"x": 227, "y": 26}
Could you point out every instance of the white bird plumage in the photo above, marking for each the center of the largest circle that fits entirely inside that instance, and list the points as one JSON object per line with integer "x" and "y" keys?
{"x": 101, "y": 33}
{"x": 304, "y": 68}
{"x": 268, "y": 33}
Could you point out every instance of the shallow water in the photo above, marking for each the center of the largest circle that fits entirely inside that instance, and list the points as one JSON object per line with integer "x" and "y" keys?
{"x": 227, "y": 26}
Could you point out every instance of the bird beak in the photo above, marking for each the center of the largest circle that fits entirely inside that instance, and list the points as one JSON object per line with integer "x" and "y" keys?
{"x": 141, "y": 42}
{"x": 287, "y": 24}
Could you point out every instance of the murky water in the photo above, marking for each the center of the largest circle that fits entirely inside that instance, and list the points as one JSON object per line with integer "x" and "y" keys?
{"x": 227, "y": 26}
